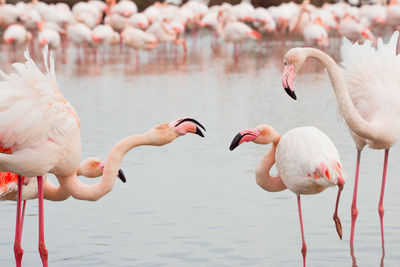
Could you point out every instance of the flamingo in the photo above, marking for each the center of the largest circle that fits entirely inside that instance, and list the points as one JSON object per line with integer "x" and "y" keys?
{"x": 16, "y": 35}
{"x": 367, "y": 95}
{"x": 49, "y": 37}
{"x": 234, "y": 31}
{"x": 315, "y": 33}
{"x": 53, "y": 145}
{"x": 354, "y": 30}
{"x": 138, "y": 39}
{"x": 307, "y": 162}
{"x": 17, "y": 188}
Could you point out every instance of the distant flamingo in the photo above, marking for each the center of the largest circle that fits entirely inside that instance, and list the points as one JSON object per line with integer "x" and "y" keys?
{"x": 234, "y": 31}
{"x": 367, "y": 93}
{"x": 41, "y": 130}
{"x": 307, "y": 162}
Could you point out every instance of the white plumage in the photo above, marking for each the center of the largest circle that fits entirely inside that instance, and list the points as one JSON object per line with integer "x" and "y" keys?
{"x": 307, "y": 161}
{"x": 36, "y": 121}
{"x": 373, "y": 81}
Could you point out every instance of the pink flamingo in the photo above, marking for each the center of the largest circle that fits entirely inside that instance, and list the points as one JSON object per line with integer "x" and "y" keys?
{"x": 307, "y": 162}
{"x": 41, "y": 130}
{"x": 15, "y": 187}
{"x": 367, "y": 95}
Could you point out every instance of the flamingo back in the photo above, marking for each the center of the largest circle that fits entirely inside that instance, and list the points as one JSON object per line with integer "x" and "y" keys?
{"x": 307, "y": 161}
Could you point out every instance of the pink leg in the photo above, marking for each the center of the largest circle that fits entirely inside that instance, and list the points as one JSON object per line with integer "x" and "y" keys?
{"x": 354, "y": 210}
{"x": 335, "y": 216}
{"x": 304, "y": 247}
{"x": 380, "y": 206}
{"x": 18, "y": 227}
{"x": 22, "y": 216}
{"x": 42, "y": 246}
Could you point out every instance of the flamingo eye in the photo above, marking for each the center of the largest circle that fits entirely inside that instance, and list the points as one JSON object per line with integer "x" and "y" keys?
{"x": 95, "y": 164}
{"x": 263, "y": 132}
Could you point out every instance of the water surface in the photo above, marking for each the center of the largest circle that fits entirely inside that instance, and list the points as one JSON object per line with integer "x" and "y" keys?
{"x": 193, "y": 202}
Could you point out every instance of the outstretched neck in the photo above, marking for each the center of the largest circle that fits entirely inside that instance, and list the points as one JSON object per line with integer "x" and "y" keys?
{"x": 350, "y": 114}
{"x": 94, "y": 192}
{"x": 263, "y": 178}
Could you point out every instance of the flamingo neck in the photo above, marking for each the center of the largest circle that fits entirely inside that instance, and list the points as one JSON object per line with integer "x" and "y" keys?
{"x": 54, "y": 193}
{"x": 263, "y": 178}
{"x": 96, "y": 191}
{"x": 350, "y": 114}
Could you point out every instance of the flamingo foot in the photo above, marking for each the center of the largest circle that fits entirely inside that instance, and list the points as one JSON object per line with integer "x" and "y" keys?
{"x": 336, "y": 218}
{"x": 338, "y": 226}
{"x": 44, "y": 255}
{"x": 304, "y": 252}
{"x": 19, "y": 252}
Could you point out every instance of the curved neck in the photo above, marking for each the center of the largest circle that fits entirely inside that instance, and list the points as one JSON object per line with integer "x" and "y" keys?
{"x": 94, "y": 192}
{"x": 54, "y": 193}
{"x": 263, "y": 178}
{"x": 350, "y": 114}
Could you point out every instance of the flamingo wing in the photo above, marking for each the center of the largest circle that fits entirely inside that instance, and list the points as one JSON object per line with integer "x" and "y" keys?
{"x": 32, "y": 108}
{"x": 372, "y": 75}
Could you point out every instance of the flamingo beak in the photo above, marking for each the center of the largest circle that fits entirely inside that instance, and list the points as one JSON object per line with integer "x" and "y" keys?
{"x": 121, "y": 176}
{"x": 289, "y": 74}
{"x": 186, "y": 125}
{"x": 244, "y": 136}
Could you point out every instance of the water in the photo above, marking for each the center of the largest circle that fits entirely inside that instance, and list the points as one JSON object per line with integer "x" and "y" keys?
{"x": 193, "y": 202}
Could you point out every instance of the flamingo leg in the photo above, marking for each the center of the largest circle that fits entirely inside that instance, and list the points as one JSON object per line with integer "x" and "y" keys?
{"x": 42, "y": 247}
{"x": 18, "y": 251}
{"x": 381, "y": 211}
{"x": 304, "y": 247}
{"x": 22, "y": 216}
{"x": 354, "y": 210}
{"x": 336, "y": 218}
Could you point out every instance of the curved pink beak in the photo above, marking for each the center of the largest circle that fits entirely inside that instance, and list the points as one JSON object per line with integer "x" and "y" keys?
{"x": 288, "y": 76}
{"x": 244, "y": 136}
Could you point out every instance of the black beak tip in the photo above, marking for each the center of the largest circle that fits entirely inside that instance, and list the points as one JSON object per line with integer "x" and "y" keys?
{"x": 235, "y": 142}
{"x": 198, "y": 132}
{"x": 290, "y": 93}
{"x": 121, "y": 175}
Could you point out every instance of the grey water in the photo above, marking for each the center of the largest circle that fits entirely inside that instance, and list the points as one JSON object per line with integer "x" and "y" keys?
{"x": 193, "y": 202}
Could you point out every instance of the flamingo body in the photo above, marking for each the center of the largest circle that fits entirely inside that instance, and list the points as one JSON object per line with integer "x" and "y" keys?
{"x": 307, "y": 161}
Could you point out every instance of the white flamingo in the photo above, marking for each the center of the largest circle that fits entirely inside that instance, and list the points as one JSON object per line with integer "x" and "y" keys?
{"x": 367, "y": 93}
{"x": 307, "y": 162}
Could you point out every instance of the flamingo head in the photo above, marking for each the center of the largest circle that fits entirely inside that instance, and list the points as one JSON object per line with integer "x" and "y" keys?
{"x": 293, "y": 61}
{"x": 262, "y": 134}
{"x": 165, "y": 133}
{"x": 93, "y": 167}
